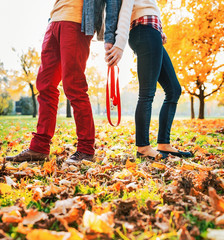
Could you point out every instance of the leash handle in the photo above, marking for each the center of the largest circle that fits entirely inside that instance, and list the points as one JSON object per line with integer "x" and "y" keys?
{"x": 113, "y": 94}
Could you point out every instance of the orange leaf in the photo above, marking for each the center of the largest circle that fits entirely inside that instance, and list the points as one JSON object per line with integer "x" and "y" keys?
{"x": 216, "y": 201}
{"x": 116, "y": 186}
{"x": 12, "y": 217}
{"x": 131, "y": 166}
{"x": 37, "y": 194}
{"x": 40, "y": 234}
{"x": 50, "y": 167}
{"x": 75, "y": 235}
{"x": 100, "y": 209}
{"x": 75, "y": 213}
{"x": 158, "y": 165}
{"x": 22, "y": 229}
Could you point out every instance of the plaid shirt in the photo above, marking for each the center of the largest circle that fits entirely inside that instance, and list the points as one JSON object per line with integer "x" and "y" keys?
{"x": 151, "y": 20}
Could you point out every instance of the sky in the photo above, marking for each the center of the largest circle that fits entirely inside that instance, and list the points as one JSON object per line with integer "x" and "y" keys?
{"x": 23, "y": 24}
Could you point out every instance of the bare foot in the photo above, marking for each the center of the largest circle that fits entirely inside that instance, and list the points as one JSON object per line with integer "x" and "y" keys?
{"x": 166, "y": 147}
{"x": 148, "y": 151}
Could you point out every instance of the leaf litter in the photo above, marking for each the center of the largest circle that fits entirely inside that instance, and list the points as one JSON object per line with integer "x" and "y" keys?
{"x": 118, "y": 196}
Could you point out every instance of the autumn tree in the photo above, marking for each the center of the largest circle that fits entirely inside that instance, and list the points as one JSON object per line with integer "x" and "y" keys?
{"x": 96, "y": 83}
{"x": 26, "y": 76}
{"x": 195, "y": 44}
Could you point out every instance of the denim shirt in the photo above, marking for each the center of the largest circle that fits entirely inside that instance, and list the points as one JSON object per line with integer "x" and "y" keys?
{"x": 93, "y": 18}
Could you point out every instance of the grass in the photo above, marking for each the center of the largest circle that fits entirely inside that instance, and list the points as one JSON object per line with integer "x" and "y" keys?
{"x": 111, "y": 143}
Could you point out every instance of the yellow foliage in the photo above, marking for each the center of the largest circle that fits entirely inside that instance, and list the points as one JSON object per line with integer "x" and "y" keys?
{"x": 195, "y": 40}
{"x": 96, "y": 85}
{"x": 96, "y": 224}
{"x": 26, "y": 77}
{"x": 5, "y": 188}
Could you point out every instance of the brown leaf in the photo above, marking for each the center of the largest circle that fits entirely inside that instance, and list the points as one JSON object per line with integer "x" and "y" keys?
{"x": 52, "y": 190}
{"x": 185, "y": 235}
{"x": 203, "y": 215}
{"x": 3, "y": 235}
{"x": 216, "y": 201}
{"x": 164, "y": 226}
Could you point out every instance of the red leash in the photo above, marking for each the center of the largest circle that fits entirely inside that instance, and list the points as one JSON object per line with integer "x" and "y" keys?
{"x": 113, "y": 94}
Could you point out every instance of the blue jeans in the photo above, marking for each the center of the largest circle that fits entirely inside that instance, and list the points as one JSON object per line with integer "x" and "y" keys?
{"x": 153, "y": 65}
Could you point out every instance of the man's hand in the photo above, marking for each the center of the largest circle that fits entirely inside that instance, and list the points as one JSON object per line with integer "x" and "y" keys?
{"x": 107, "y": 47}
{"x": 113, "y": 56}
{"x": 164, "y": 38}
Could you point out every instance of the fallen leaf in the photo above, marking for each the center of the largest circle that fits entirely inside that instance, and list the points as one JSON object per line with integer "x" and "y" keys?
{"x": 37, "y": 194}
{"x": 95, "y": 223}
{"x": 10, "y": 182}
{"x": 40, "y": 234}
{"x": 216, "y": 201}
{"x": 219, "y": 220}
{"x": 215, "y": 234}
{"x": 61, "y": 206}
{"x": 52, "y": 190}
{"x": 34, "y": 216}
{"x": 124, "y": 174}
{"x": 131, "y": 166}
{"x": 9, "y": 209}
{"x": 5, "y": 188}
{"x": 23, "y": 166}
{"x": 75, "y": 235}
{"x": 75, "y": 213}
{"x": 159, "y": 165}
{"x": 12, "y": 217}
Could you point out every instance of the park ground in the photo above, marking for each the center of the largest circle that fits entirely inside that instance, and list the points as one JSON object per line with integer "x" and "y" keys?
{"x": 119, "y": 196}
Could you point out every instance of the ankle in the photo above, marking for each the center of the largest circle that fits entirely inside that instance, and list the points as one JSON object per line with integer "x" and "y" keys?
{"x": 144, "y": 149}
{"x": 164, "y": 146}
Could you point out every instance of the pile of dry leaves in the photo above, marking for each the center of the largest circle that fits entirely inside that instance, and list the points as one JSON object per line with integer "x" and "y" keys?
{"x": 118, "y": 197}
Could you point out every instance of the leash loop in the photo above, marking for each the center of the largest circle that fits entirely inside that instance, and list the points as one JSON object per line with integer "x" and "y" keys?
{"x": 113, "y": 94}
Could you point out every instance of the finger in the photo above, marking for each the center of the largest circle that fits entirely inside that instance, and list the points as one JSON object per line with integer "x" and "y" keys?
{"x": 109, "y": 57}
{"x": 112, "y": 61}
{"x": 111, "y": 51}
{"x": 115, "y": 63}
{"x": 112, "y": 54}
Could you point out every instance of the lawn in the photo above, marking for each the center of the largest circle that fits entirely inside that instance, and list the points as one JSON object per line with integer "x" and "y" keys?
{"x": 119, "y": 196}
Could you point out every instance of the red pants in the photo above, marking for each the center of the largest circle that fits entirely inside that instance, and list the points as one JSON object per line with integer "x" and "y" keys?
{"x": 65, "y": 51}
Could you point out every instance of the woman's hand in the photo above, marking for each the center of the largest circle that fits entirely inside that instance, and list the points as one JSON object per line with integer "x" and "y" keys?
{"x": 164, "y": 38}
{"x": 113, "y": 56}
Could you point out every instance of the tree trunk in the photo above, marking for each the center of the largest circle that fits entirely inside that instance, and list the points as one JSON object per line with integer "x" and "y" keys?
{"x": 192, "y": 108}
{"x": 202, "y": 104}
{"x": 68, "y": 109}
{"x": 34, "y": 101}
{"x": 98, "y": 108}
